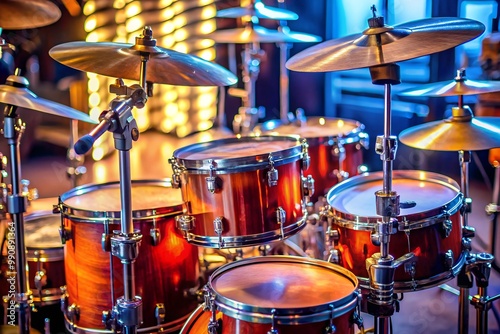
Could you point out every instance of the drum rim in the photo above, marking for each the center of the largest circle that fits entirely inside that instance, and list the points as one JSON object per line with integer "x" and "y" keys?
{"x": 285, "y": 316}
{"x": 356, "y": 135}
{"x": 239, "y": 164}
{"x": 368, "y": 223}
{"x": 105, "y": 216}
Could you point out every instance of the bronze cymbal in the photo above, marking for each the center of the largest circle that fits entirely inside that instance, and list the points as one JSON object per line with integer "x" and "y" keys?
{"x": 457, "y": 133}
{"x": 459, "y": 86}
{"x": 381, "y": 44}
{"x": 27, "y": 14}
{"x": 259, "y": 10}
{"x": 120, "y": 60}
{"x": 16, "y": 93}
{"x": 259, "y": 34}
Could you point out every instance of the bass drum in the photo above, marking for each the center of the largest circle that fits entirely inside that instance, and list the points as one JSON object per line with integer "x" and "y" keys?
{"x": 289, "y": 294}
{"x": 428, "y": 225}
{"x": 166, "y": 269}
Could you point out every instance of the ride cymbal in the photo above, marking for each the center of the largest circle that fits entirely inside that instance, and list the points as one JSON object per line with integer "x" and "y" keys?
{"x": 120, "y": 60}
{"x": 461, "y": 132}
{"x": 27, "y": 14}
{"x": 16, "y": 93}
{"x": 258, "y": 34}
{"x": 458, "y": 86}
{"x": 259, "y": 10}
{"x": 381, "y": 44}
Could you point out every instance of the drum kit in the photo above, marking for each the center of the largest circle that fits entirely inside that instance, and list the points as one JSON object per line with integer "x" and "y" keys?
{"x": 130, "y": 247}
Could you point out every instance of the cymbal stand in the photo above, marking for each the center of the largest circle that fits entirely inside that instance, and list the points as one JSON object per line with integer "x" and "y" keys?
{"x": 493, "y": 210}
{"x": 284, "y": 79}
{"x": 381, "y": 266}
{"x": 16, "y": 206}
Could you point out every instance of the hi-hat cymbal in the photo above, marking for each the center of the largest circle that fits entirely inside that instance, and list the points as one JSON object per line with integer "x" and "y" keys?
{"x": 27, "y": 14}
{"x": 259, "y": 34}
{"x": 459, "y": 86}
{"x": 462, "y": 133}
{"x": 382, "y": 44}
{"x": 124, "y": 61}
{"x": 16, "y": 93}
{"x": 259, "y": 10}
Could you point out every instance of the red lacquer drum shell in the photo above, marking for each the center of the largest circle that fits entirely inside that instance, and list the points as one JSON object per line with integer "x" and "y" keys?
{"x": 429, "y": 226}
{"x": 335, "y": 147}
{"x": 166, "y": 269}
{"x": 241, "y": 191}
{"x": 299, "y": 295}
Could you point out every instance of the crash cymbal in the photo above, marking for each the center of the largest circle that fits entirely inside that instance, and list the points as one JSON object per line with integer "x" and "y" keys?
{"x": 258, "y": 34}
{"x": 27, "y": 14}
{"x": 259, "y": 10}
{"x": 16, "y": 93}
{"x": 123, "y": 61}
{"x": 459, "y": 86}
{"x": 457, "y": 133}
{"x": 381, "y": 44}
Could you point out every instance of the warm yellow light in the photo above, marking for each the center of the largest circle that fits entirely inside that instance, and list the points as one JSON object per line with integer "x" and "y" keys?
{"x": 184, "y": 104}
{"x": 206, "y": 43}
{"x": 204, "y": 100}
{"x": 121, "y": 31}
{"x": 92, "y": 37}
{"x": 97, "y": 153}
{"x": 93, "y": 84}
{"x": 170, "y": 96}
{"x": 208, "y": 12}
{"x": 178, "y": 7}
{"x": 134, "y": 24}
{"x": 207, "y": 27}
{"x": 99, "y": 171}
{"x": 167, "y": 125}
{"x": 94, "y": 99}
{"x": 167, "y": 27}
{"x": 181, "y": 118}
{"x": 167, "y": 14}
{"x": 180, "y": 21}
{"x": 180, "y": 35}
{"x": 168, "y": 41}
{"x": 133, "y": 9}
{"x": 171, "y": 110}
{"x": 204, "y": 125}
{"x": 89, "y": 8}
{"x": 95, "y": 112}
{"x": 207, "y": 54}
{"x": 181, "y": 47}
{"x": 90, "y": 23}
{"x": 206, "y": 114}
{"x": 165, "y": 3}
{"x": 120, "y": 17}
{"x": 204, "y": 2}
{"x": 119, "y": 4}
{"x": 183, "y": 91}
{"x": 183, "y": 130}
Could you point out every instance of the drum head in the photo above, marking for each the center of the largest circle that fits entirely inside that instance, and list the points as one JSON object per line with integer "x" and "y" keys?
{"x": 41, "y": 231}
{"x": 430, "y": 192}
{"x": 287, "y": 284}
{"x": 240, "y": 154}
{"x": 149, "y": 198}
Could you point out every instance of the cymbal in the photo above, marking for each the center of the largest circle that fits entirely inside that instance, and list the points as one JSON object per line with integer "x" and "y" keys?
{"x": 27, "y": 14}
{"x": 16, "y": 93}
{"x": 120, "y": 60}
{"x": 402, "y": 42}
{"x": 259, "y": 10}
{"x": 259, "y": 34}
{"x": 459, "y": 86}
{"x": 454, "y": 134}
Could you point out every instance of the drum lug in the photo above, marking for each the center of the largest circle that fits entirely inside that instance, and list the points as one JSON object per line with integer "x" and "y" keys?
{"x": 331, "y": 328}
{"x": 64, "y": 233}
{"x": 306, "y": 159}
{"x": 185, "y": 223}
{"x": 160, "y": 313}
{"x": 176, "y": 173}
{"x": 466, "y": 244}
{"x": 447, "y": 226}
{"x": 273, "y": 323}
{"x": 334, "y": 256}
{"x": 468, "y": 231}
{"x": 214, "y": 326}
{"x": 73, "y": 313}
{"x": 272, "y": 173}
{"x": 106, "y": 242}
{"x": 155, "y": 233}
{"x": 218, "y": 229}
{"x": 211, "y": 179}
{"x": 448, "y": 259}
{"x": 307, "y": 187}
{"x": 280, "y": 219}
{"x": 357, "y": 319}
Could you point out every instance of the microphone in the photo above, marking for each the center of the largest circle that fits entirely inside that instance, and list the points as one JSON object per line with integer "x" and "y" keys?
{"x": 84, "y": 144}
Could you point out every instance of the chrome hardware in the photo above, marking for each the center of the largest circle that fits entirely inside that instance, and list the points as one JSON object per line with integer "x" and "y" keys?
{"x": 272, "y": 173}
{"x": 280, "y": 219}
{"x": 155, "y": 234}
{"x": 40, "y": 274}
{"x": 211, "y": 180}
{"x": 447, "y": 225}
{"x": 331, "y": 328}
{"x": 356, "y": 316}
{"x": 308, "y": 187}
{"x": 273, "y": 323}
{"x": 64, "y": 233}
{"x": 334, "y": 256}
{"x": 185, "y": 223}
{"x": 106, "y": 242}
{"x": 209, "y": 299}
{"x": 468, "y": 231}
{"x": 176, "y": 173}
{"x": 467, "y": 206}
{"x": 218, "y": 229}
{"x": 306, "y": 159}
{"x": 73, "y": 313}
{"x": 160, "y": 313}
{"x": 466, "y": 244}
{"x": 30, "y": 194}
{"x": 448, "y": 259}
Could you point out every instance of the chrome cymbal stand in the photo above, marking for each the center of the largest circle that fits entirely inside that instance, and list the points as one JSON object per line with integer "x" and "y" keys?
{"x": 16, "y": 205}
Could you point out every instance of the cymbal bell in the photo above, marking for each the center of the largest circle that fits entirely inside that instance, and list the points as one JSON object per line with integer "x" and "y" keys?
{"x": 381, "y": 44}
{"x": 27, "y": 14}
{"x": 259, "y": 10}
{"x": 258, "y": 34}
{"x": 459, "y": 86}
{"x": 461, "y": 132}
{"x": 120, "y": 60}
{"x": 16, "y": 93}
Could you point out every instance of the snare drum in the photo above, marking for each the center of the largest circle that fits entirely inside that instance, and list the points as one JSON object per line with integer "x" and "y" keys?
{"x": 334, "y": 147}
{"x": 242, "y": 191}
{"x": 286, "y": 293}
{"x": 431, "y": 229}
{"x": 166, "y": 269}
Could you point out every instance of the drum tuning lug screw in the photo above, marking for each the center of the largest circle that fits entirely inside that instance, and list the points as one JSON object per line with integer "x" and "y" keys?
{"x": 160, "y": 313}
{"x": 448, "y": 259}
{"x": 447, "y": 226}
{"x": 468, "y": 231}
{"x": 272, "y": 173}
{"x": 211, "y": 180}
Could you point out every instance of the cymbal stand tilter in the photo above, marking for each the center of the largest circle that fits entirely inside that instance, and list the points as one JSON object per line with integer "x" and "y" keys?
{"x": 248, "y": 115}
{"x": 16, "y": 206}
